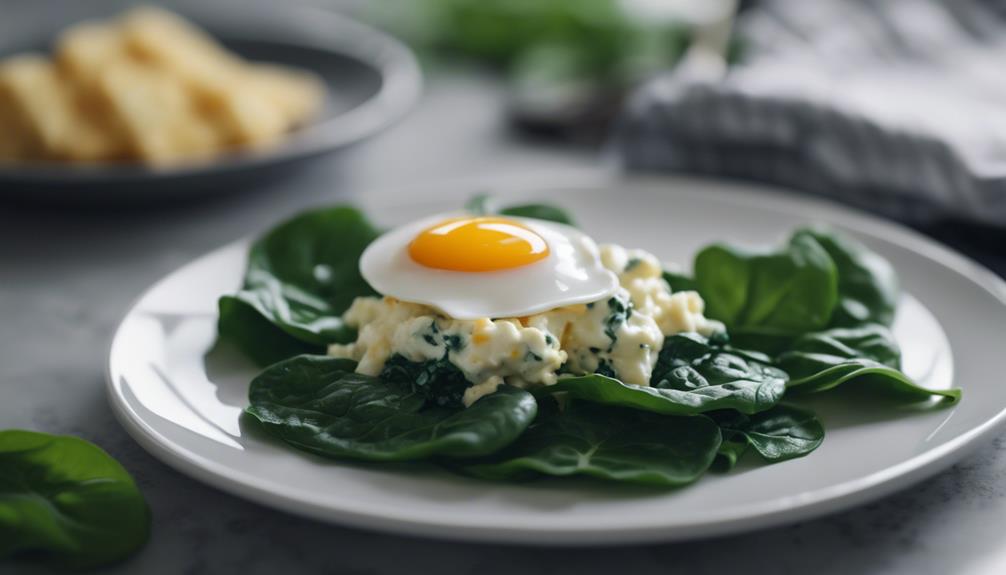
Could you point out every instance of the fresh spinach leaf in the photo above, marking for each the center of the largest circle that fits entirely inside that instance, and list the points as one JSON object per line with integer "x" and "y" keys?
{"x": 301, "y": 277}
{"x": 768, "y": 341}
{"x": 793, "y": 289}
{"x": 867, "y": 284}
{"x": 65, "y": 500}
{"x": 734, "y": 378}
{"x": 819, "y": 279}
{"x": 780, "y": 433}
{"x": 869, "y": 341}
{"x": 610, "y": 443}
{"x": 866, "y": 355}
{"x": 691, "y": 376}
{"x": 256, "y": 336}
{"x": 680, "y": 282}
{"x": 540, "y": 212}
{"x": 483, "y": 205}
{"x": 817, "y": 372}
{"x": 480, "y": 205}
{"x": 319, "y": 404}
{"x": 439, "y": 381}
{"x": 732, "y": 448}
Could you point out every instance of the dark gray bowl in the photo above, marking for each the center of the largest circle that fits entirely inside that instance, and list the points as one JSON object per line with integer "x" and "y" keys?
{"x": 372, "y": 81}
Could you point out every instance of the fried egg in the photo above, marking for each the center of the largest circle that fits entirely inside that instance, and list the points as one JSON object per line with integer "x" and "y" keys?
{"x": 471, "y": 267}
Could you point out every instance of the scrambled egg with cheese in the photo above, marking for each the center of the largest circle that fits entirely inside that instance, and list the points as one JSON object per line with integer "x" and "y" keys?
{"x": 620, "y": 336}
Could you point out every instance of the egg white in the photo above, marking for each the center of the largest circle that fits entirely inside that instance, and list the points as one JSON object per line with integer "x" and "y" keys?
{"x": 571, "y": 273}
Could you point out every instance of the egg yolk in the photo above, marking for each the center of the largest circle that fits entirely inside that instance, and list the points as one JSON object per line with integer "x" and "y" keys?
{"x": 477, "y": 244}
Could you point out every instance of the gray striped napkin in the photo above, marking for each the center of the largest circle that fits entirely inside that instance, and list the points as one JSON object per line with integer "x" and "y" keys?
{"x": 896, "y": 106}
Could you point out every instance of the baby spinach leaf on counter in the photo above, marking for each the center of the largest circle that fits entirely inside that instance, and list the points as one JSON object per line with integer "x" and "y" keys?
{"x": 793, "y": 289}
{"x": 610, "y": 443}
{"x": 780, "y": 433}
{"x": 301, "y": 277}
{"x": 484, "y": 205}
{"x": 319, "y": 404}
{"x": 867, "y": 283}
{"x": 66, "y": 501}
{"x": 866, "y": 355}
{"x": 439, "y": 381}
{"x": 691, "y": 376}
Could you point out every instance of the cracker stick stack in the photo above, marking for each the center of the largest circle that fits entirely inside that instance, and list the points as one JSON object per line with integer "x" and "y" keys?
{"x": 147, "y": 87}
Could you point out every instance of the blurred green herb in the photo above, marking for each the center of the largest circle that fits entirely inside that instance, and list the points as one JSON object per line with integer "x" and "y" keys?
{"x": 567, "y": 62}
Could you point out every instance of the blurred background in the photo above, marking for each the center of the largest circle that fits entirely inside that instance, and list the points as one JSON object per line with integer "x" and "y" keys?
{"x": 895, "y": 107}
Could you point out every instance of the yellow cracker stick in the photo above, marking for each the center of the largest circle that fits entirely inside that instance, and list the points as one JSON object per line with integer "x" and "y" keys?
{"x": 85, "y": 49}
{"x": 32, "y": 88}
{"x": 165, "y": 38}
{"x": 51, "y": 121}
{"x": 148, "y": 86}
{"x": 214, "y": 75}
{"x": 16, "y": 141}
{"x": 298, "y": 94}
{"x": 156, "y": 113}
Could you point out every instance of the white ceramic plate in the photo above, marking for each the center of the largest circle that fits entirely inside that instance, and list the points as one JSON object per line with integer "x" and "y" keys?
{"x": 182, "y": 401}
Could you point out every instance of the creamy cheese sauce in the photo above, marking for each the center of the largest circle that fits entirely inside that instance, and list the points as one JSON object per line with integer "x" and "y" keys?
{"x": 620, "y": 336}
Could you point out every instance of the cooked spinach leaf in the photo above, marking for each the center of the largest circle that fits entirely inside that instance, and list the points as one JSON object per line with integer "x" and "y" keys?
{"x": 439, "y": 381}
{"x": 692, "y": 376}
{"x": 780, "y": 433}
{"x": 867, "y": 284}
{"x": 866, "y": 355}
{"x": 793, "y": 289}
{"x": 483, "y": 205}
{"x": 319, "y": 404}
{"x": 301, "y": 276}
{"x": 620, "y": 310}
{"x": 66, "y": 501}
{"x": 610, "y": 443}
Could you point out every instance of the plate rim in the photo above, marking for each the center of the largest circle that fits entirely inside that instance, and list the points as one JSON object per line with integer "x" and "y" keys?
{"x": 798, "y": 507}
{"x": 401, "y": 84}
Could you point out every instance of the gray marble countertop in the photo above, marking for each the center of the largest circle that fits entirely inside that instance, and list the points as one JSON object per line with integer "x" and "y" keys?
{"x": 68, "y": 275}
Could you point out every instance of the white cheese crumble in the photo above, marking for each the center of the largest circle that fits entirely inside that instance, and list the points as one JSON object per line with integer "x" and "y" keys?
{"x": 620, "y": 336}
{"x": 641, "y": 274}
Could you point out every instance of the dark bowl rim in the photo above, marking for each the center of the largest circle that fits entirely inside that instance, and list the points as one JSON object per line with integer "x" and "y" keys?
{"x": 400, "y": 87}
